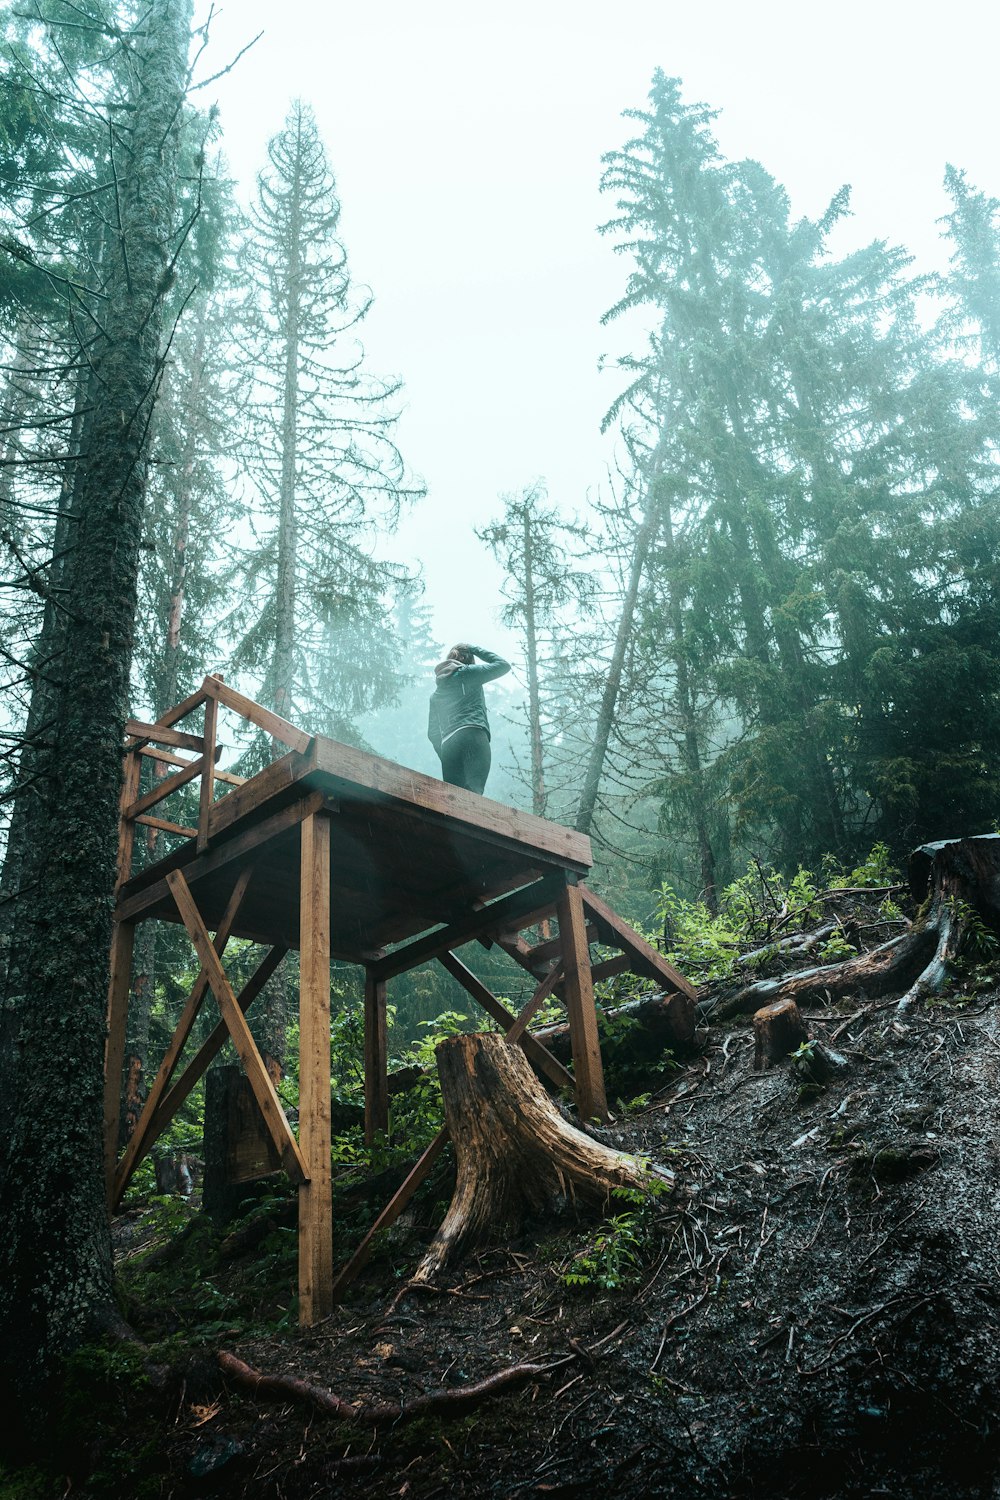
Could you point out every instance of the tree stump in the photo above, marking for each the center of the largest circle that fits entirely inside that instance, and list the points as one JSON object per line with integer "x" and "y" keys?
{"x": 517, "y": 1158}
{"x": 777, "y": 1030}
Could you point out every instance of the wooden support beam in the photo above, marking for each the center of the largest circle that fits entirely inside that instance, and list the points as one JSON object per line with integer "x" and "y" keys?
{"x": 534, "y": 1005}
{"x": 578, "y": 994}
{"x": 137, "y": 901}
{"x": 142, "y": 1136}
{"x": 207, "y": 790}
{"x": 122, "y": 944}
{"x": 538, "y": 1055}
{"x": 126, "y": 828}
{"x": 516, "y": 948}
{"x": 644, "y": 959}
{"x": 376, "y": 1060}
{"x": 552, "y": 948}
{"x": 167, "y": 758}
{"x": 516, "y": 910}
{"x": 167, "y": 827}
{"x": 418, "y": 1175}
{"x": 164, "y": 788}
{"x": 186, "y": 706}
{"x": 159, "y": 734}
{"x": 210, "y": 1049}
{"x": 609, "y": 967}
{"x": 316, "y": 1193}
{"x": 270, "y": 1106}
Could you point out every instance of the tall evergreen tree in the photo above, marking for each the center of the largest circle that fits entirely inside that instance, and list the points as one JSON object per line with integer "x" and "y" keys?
{"x": 327, "y": 473}
{"x": 56, "y": 1254}
{"x": 539, "y": 554}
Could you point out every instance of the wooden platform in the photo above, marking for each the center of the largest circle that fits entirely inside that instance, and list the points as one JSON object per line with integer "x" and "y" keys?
{"x": 338, "y": 853}
{"x": 407, "y": 852}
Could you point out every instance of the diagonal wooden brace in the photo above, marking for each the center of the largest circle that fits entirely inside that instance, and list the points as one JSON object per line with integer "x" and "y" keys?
{"x": 210, "y": 1049}
{"x": 538, "y": 1055}
{"x": 534, "y": 1005}
{"x": 143, "y": 1136}
{"x": 236, "y": 1024}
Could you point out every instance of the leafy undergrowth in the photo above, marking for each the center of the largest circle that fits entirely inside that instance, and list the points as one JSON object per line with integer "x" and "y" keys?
{"x": 811, "y": 1312}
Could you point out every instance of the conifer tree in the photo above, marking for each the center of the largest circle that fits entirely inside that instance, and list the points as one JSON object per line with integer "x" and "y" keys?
{"x": 539, "y": 554}
{"x": 56, "y": 1254}
{"x": 327, "y": 474}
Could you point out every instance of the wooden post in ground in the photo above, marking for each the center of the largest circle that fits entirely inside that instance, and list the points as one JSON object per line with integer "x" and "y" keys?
{"x": 376, "y": 1060}
{"x": 122, "y": 944}
{"x": 316, "y": 1195}
{"x": 578, "y": 995}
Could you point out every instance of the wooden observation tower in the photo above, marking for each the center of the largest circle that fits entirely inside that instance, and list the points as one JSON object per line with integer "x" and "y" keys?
{"x": 341, "y": 854}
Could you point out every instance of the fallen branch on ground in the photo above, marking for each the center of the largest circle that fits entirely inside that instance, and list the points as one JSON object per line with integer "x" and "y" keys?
{"x": 452, "y": 1403}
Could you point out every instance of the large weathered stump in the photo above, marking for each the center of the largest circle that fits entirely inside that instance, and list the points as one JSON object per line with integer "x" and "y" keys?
{"x": 517, "y": 1158}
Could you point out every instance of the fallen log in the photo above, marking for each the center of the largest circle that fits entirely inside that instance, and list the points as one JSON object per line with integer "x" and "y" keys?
{"x": 891, "y": 966}
{"x": 450, "y": 1403}
{"x": 959, "y": 882}
{"x": 655, "y": 1024}
{"x": 516, "y": 1156}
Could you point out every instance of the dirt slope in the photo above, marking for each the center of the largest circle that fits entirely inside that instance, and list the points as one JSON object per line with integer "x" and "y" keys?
{"x": 813, "y": 1311}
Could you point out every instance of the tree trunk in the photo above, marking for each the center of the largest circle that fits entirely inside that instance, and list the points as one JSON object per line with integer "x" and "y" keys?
{"x": 517, "y": 1157}
{"x": 531, "y": 654}
{"x": 612, "y": 687}
{"x": 55, "y": 1260}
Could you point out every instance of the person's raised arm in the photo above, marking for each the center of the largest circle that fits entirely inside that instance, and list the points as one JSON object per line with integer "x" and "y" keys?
{"x": 490, "y": 665}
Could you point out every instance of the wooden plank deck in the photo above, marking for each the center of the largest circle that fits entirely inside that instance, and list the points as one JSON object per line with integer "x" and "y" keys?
{"x": 408, "y": 852}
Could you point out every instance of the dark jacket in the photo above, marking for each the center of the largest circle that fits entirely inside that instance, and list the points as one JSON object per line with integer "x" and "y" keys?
{"x": 457, "y": 702}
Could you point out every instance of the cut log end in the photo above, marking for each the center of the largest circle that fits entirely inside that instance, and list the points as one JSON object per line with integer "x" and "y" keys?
{"x": 778, "y": 1029}
{"x": 517, "y": 1158}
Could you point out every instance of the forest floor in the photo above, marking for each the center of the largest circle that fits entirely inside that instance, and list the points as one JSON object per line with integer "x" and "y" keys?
{"x": 812, "y": 1311}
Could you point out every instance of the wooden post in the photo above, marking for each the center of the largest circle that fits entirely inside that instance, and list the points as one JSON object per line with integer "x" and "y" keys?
{"x": 122, "y": 944}
{"x": 578, "y": 994}
{"x": 126, "y": 826}
{"x": 376, "y": 1060}
{"x": 316, "y": 1195}
{"x": 207, "y": 772}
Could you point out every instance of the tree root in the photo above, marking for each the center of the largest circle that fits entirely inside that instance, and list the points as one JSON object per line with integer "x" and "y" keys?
{"x": 961, "y": 877}
{"x": 451, "y": 1403}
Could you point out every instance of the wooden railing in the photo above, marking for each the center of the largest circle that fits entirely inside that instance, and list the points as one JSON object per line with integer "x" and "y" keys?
{"x": 161, "y": 742}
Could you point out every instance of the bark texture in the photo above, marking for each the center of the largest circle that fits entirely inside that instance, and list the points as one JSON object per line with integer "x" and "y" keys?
{"x": 516, "y": 1156}
{"x": 55, "y": 1262}
{"x": 959, "y": 882}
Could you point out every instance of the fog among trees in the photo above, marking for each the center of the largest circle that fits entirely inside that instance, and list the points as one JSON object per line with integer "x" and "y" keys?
{"x": 769, "y": 635}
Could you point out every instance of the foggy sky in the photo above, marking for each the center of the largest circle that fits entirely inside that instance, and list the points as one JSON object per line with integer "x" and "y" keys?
{"x": 466, "y": 141}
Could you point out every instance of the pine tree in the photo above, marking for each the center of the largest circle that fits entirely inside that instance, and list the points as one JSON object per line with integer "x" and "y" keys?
{"x": 539, "y": 554}
{"x": 327, "y": 473}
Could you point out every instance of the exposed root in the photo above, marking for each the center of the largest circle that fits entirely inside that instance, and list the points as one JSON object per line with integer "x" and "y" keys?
{"x": 452, "y": 1403}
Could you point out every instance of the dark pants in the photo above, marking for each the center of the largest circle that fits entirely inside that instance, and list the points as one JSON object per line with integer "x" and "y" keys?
{"x": 465, "y": 759}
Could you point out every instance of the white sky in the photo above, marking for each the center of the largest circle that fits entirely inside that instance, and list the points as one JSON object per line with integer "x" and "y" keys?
{"x": 466, "y": 140}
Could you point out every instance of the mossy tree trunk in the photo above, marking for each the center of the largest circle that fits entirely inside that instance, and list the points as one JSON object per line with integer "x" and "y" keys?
{"x": 55, "y": 1261}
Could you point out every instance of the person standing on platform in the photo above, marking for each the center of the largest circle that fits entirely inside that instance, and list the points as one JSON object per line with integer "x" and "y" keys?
{"x": 457, "y": 725}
